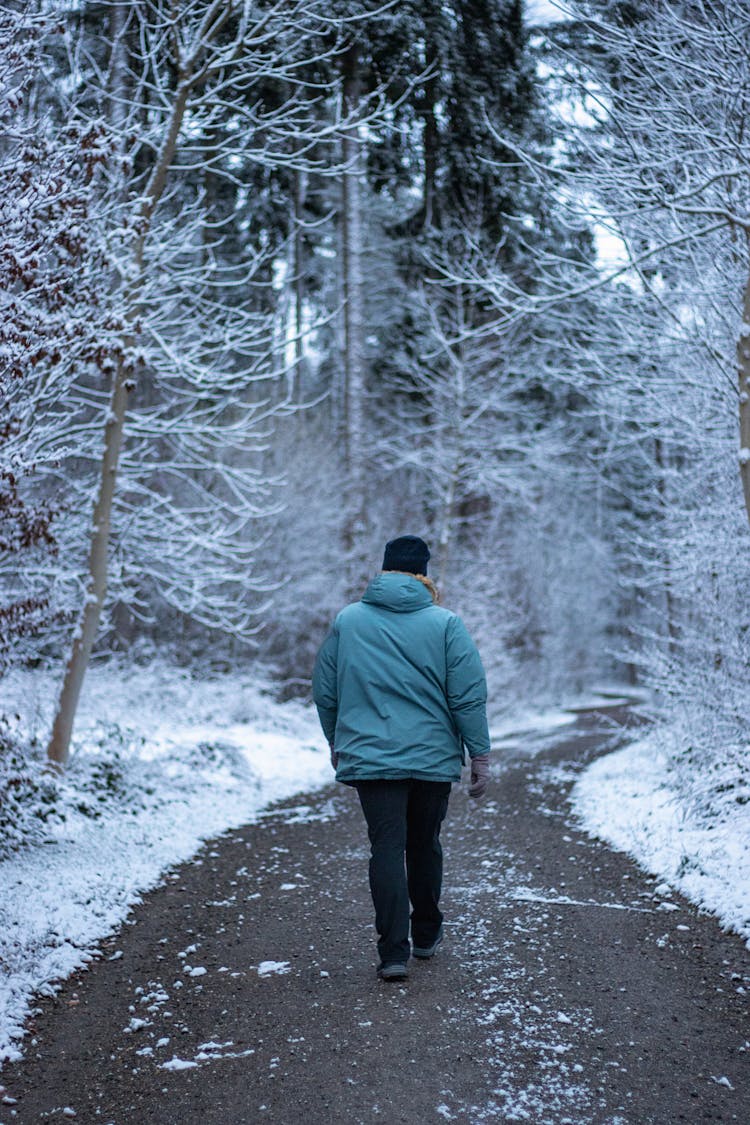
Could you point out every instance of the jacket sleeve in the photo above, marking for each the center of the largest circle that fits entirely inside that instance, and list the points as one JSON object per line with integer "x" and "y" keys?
{"x": 466, "y": 688}
{"x": 324, "y": 682}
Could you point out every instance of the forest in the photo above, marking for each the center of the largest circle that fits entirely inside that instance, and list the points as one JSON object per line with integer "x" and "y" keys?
{"x": 281, "y": 280}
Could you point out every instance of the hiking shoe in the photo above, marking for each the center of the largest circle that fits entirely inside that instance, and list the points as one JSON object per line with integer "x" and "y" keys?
{"x": 393, "y": 972}
{"x": 427, "y": 951}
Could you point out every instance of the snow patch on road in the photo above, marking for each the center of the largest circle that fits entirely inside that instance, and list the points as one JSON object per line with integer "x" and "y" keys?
{"x": 630, "y": 798}
{"x": 203, "y": 756}
{"x": 178, "y": 1064}
{"x": 269, "y": 968}
{"x": 207, "y": 1052}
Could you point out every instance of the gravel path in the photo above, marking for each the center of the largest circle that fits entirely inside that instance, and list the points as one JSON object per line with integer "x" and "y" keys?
{"x": 569, "y": 990}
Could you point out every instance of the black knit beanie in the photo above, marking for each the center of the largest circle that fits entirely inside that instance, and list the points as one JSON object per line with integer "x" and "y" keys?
{"x": 408, "y": 552}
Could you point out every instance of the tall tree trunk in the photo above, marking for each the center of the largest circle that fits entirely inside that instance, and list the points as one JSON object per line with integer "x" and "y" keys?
{"x": 743, "y": 371}
{"x": 119, "y": 83}
{"x": 445, "y": 538}
{"x": 668, "y": 594}
{"x": 85, "y": 634}
{"x": 354, "y": 325}
{"x": 430, "y": 137}
{"x": 96, "y": 586}
{"x": 454, "y": 456}
{"x": 300, "y": 191}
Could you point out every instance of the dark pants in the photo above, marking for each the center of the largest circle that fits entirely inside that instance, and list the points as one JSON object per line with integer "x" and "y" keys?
{"x": 403, "y": 820}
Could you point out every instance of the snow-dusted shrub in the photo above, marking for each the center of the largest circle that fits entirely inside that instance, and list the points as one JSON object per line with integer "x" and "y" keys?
{"x": 33, "y": 800}
{"x": 103, "y": 776}
{"x": 29, "y": 796}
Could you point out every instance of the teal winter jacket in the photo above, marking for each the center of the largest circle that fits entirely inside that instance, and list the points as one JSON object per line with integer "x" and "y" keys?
{"x": 399, "y": 686}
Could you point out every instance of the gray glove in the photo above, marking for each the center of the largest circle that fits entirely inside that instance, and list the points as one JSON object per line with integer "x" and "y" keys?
{"x": 480, "y": 774}
{"x": 334, "y": 756}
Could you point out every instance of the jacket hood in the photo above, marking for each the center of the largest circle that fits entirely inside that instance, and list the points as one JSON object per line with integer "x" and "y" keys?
{"x": 400, "y": 593}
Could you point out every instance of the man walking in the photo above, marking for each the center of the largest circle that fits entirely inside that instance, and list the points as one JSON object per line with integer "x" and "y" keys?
{"x": 400, "y": 692}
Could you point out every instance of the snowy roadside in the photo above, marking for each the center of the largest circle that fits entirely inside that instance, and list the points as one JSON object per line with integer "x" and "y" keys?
{"x": 194, "y": 758}
{"x": 630, "y": 799}
{"x": 186, "y": 759}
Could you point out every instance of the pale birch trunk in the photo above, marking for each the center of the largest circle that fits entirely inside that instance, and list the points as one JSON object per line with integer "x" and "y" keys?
{"x": 119, "y": 84}
{"x": 354, "y": 321}
{"x": 430, "y": 137}
{"x": 85, "y": 634}
{"x": 300, "y": 191}
{"x": 456, "y": 440}
{"x": 743, "y": 371}
{"x": 669, "y": 605}
{"x": 96, "y": 586}
{"x": 445, "y": 538}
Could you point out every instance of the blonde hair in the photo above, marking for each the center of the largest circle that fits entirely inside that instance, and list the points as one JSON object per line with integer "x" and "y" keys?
{"x": 426, "y": 582}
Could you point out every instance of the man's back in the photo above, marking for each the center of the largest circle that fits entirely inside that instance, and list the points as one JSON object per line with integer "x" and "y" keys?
{"x": 400, "y": 691}
{"x": 391, "y": 675}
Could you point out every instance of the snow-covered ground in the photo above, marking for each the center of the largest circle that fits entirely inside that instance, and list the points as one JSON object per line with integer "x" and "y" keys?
{"x": 187, "y": 759}
{"x": 161, "y": 761}
{"x": 631, "y": 799}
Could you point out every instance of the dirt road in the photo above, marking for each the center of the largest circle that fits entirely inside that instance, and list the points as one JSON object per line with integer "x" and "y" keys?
{"x": 244, "y": 990}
